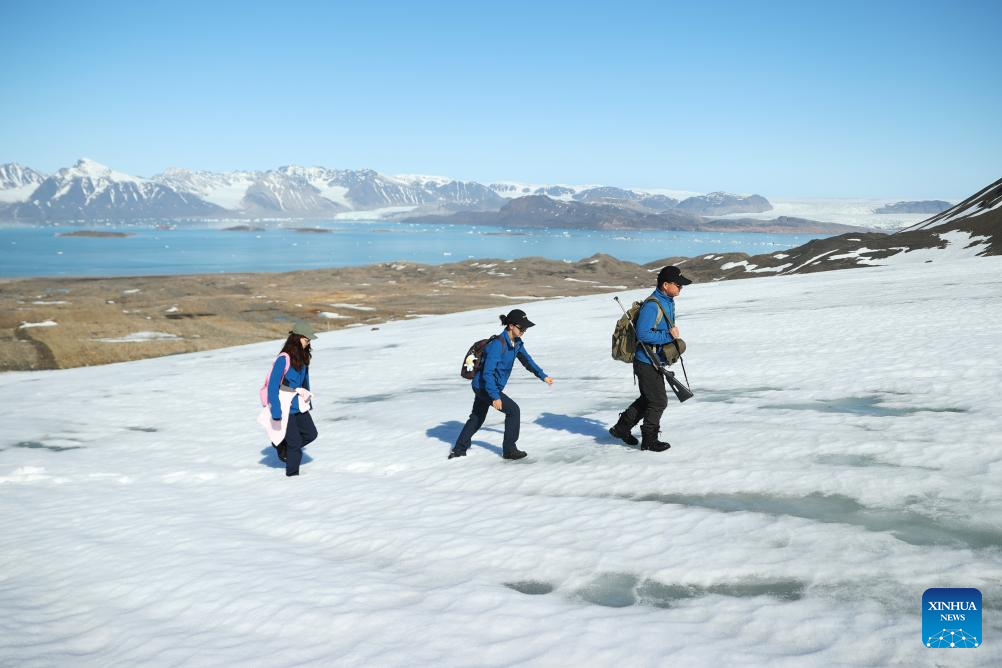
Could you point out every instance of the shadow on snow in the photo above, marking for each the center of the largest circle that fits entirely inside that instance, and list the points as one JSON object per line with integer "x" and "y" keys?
{"x": 448, "y": 432}
{"x": 269, "y": 458}
{"x": 582, "y": 426}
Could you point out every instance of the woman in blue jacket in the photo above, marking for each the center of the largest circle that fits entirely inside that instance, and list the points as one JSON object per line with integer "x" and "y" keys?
{"x": 499, "y": 357}
{"x": 300, "y": 431}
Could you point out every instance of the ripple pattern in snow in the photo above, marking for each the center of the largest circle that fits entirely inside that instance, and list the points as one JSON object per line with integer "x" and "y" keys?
{"x": 842, "y": 454}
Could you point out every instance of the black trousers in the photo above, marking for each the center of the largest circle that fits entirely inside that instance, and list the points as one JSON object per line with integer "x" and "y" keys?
{"x": 651, "y": 403}
{"x": 482, "y": 404}
{"x": 299, "y": 433}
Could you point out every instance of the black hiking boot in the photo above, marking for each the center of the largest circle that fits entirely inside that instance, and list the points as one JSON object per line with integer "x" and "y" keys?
{"x": 656, "y": 446}
{"x": 621, "y": 430}
{"x": 624, "y": 436}
{"x": 515, "y": 454}
{"x": 652, "y": 443}
{"x": 282, "y": 450}
{"x": 453, "y": 453}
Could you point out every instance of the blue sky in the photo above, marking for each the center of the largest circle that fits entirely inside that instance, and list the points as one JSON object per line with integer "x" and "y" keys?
{"x": 849, "y": 99}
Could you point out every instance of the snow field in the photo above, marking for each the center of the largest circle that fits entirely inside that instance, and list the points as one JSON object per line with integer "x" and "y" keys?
{"x": 842, "y": 454}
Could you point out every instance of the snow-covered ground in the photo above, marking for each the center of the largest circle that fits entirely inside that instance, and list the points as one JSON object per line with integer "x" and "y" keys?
{"x": 842, "y": 454}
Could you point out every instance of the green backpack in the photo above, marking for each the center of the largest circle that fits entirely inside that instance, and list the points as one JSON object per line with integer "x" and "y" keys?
{"x": 624, "y": 337}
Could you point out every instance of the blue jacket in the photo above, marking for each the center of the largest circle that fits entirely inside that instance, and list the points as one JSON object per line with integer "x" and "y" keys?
{"x": 654, "y": 337}
{"x": 499, "y": 358}
{"x": 293, "y": 379}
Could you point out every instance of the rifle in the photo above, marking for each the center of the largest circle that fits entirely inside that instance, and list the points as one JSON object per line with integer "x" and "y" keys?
{"x": 681, "y": 391}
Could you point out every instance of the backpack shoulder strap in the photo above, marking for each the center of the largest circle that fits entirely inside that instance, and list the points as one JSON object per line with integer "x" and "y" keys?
{"x": 267, "y": 378}
{"x": 661, "y": 312}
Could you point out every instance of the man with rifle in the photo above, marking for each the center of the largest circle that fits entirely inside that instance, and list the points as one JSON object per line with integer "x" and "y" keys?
{"x": 655, "y": 331}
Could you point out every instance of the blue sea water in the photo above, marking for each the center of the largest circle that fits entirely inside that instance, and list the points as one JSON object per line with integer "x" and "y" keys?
{"x": 187, "y": 249}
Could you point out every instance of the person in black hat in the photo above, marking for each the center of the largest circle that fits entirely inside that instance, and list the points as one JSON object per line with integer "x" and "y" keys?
{"x": 655, "y": 328}
{"x": 499, "y": 358}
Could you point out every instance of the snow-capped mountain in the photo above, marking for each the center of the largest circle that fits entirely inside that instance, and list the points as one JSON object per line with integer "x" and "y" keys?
{"x": 321, "y": 191}
{"x": 513, "y": 190}
{"x": 721, "y": 204}
{"x": 92, "y": 190}
{"x": 606, "y": 193}
{"x": 225, "y": 190}
{"x": 289, "y": 190}
{"x": 293, "y": 190}
{"x": 18, "y": 182}
{"x": 561, "y": 191}
{"x": 627, "y": 198}
{"x": 712, "y": 204}
{"x": 368, "y": 189}
{"x": 468, "y": 193}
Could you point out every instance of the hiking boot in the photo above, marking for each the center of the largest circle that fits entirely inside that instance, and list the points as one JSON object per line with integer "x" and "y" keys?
{"x": 624, "y": 436}
{"x": 652, "y": 443}
{"x": 655, "y": 446}
{"x": 282, "y": 451}
{"x": 622, "y": 428}
{"x": 453, "y": 453}
{"x": 515, "y": 454}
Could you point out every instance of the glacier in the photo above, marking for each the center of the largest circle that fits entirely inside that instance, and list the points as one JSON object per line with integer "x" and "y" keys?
{"x": 842, "y": 454}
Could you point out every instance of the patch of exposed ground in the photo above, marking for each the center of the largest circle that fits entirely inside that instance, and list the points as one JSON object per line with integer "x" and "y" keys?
{"x": 104, "y": 320}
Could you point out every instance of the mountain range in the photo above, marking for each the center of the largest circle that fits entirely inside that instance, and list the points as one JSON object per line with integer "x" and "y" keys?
{"x": 91, "y": 191}
{"x": 542, "y": 211}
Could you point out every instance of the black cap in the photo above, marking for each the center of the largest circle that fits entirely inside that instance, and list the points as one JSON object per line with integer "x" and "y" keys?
{"x": 518, "y": 318}
{"x": 672, "y": 274}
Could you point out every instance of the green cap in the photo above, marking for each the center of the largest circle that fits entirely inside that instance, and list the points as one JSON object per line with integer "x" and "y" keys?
{"x": 304, "y": 329}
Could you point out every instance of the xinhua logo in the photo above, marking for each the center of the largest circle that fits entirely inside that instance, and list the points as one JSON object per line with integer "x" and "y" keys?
{"x": 951, "y": 618}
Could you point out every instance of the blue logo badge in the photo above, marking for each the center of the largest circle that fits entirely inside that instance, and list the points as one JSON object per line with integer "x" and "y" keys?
{"x": 951, "y": 618}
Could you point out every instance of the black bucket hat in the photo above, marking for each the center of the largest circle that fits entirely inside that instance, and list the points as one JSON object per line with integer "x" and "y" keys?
{"x": 518, "y": 318}
{"x": 672, "y": 274}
